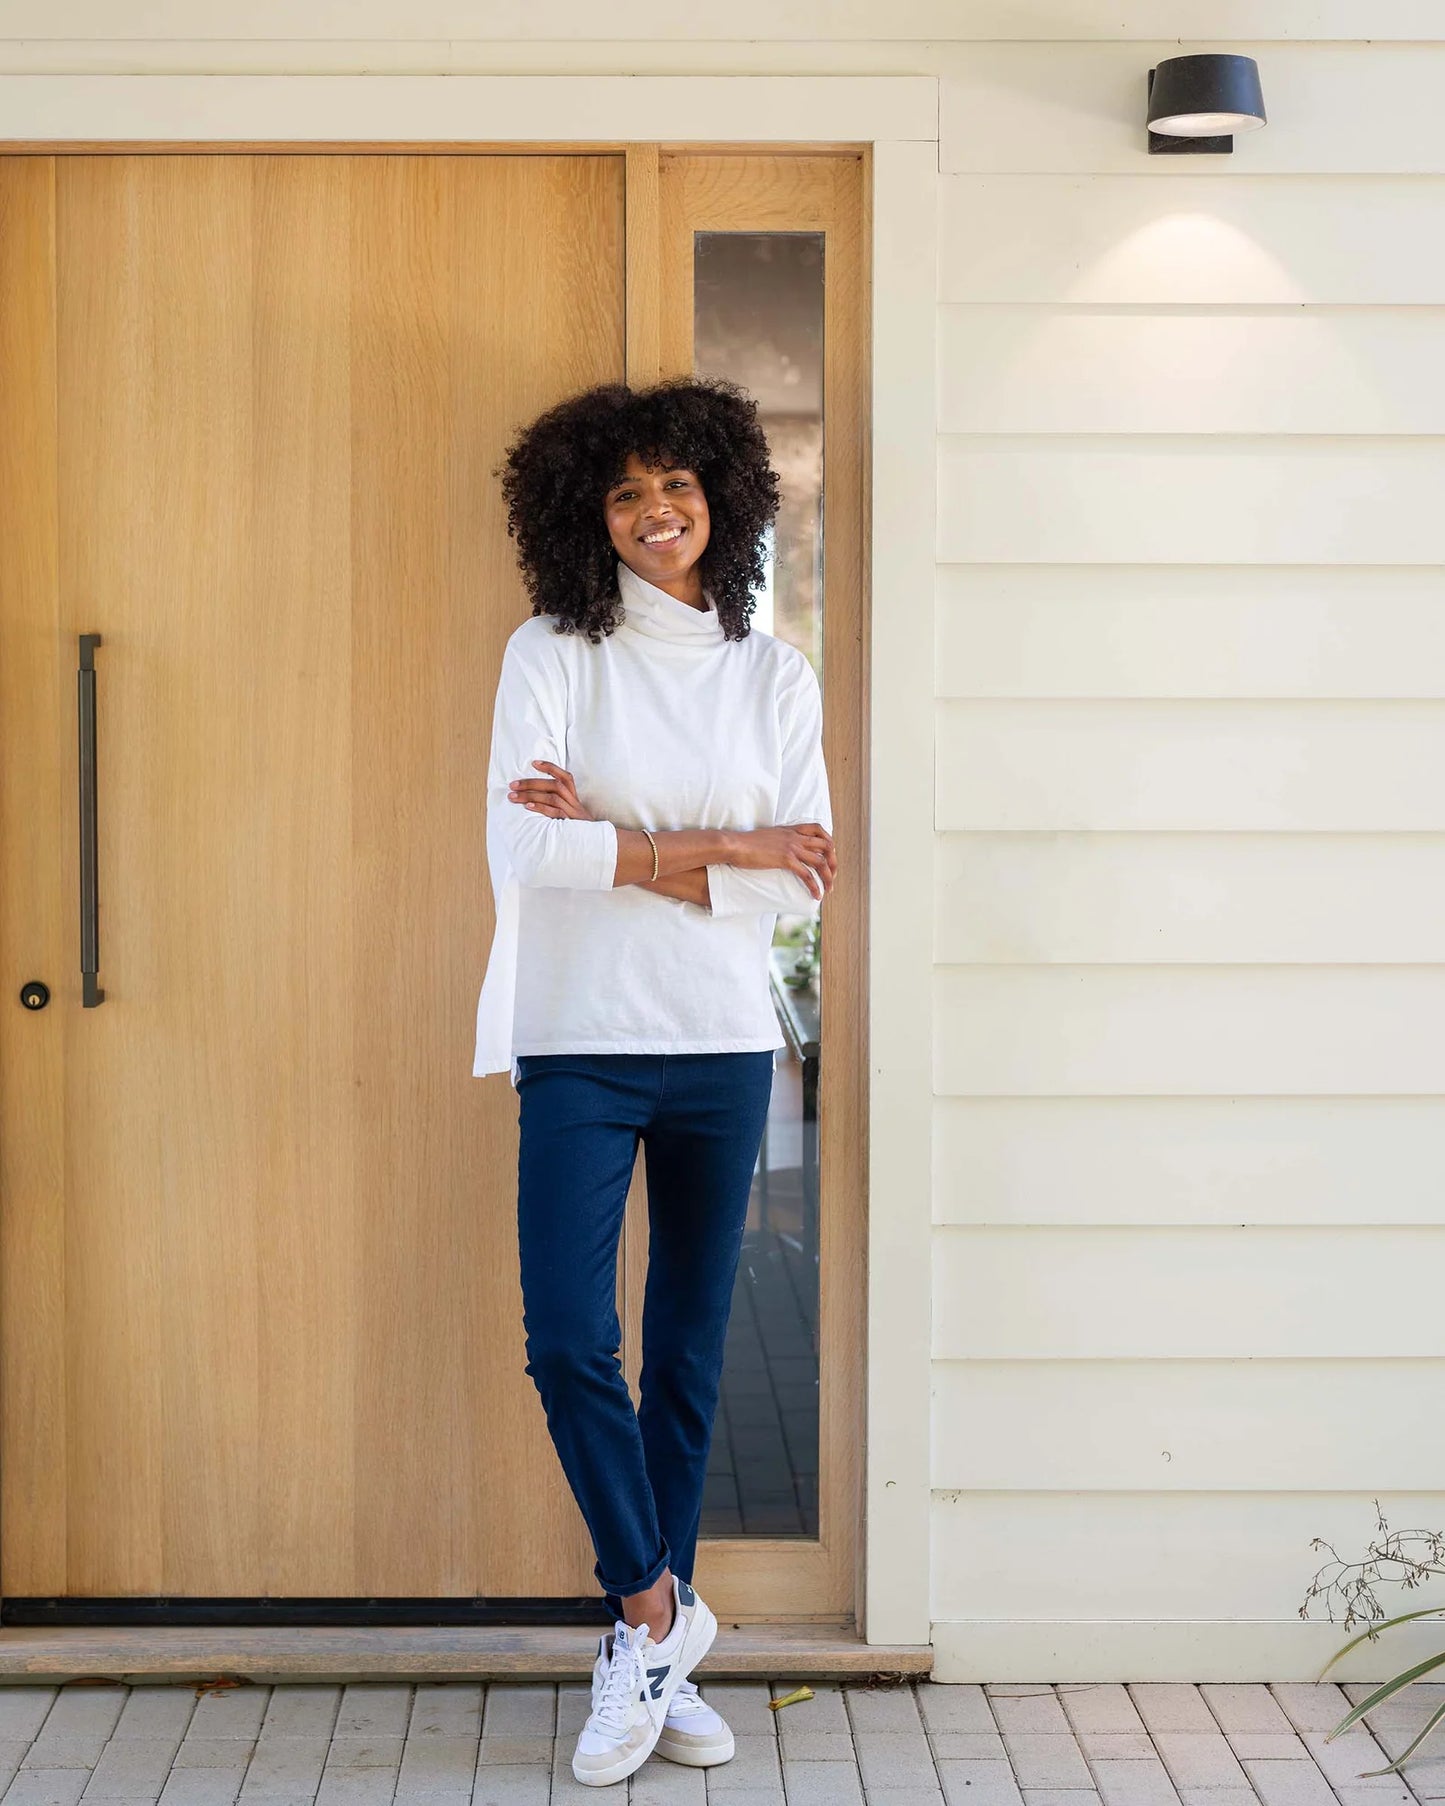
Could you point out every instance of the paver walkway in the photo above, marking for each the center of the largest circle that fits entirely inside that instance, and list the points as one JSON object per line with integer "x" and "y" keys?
{"x": 510, "y": 1744}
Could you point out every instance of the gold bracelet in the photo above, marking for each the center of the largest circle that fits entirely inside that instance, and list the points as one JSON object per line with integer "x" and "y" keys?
{"x": 653, "y": 844}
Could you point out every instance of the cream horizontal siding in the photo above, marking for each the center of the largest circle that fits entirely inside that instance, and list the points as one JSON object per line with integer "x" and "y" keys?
{"x": 1171, "y": 1293}
{"x": 1121, "y": 1425}
{"x": 1189, "y": 943}
{"x": 1174, "y": 763}
{"x": 1191, "y": 1030}
{"x": 1182, "y": 899}
{"x": 1301, "y": 370}
{"x": 1186, "y": 500}
{"x": 1201, "y": 631}
{"x": 1077, "y": 1560}
{"x": 1220, "y": 1159}
{"x": 1197, "y": 240}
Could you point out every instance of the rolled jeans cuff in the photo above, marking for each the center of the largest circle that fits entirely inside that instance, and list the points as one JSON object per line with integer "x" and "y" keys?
{"x": 653, "y": 1574}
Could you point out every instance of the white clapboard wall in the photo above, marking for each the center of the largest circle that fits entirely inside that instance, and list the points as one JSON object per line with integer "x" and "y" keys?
{"x": 1190, "y": 1007}
{"x": 1189, "y": 925}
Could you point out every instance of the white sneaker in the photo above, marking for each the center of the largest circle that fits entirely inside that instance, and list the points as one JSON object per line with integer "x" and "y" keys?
{"x": 693, "y": 1732}
{"x": 634, "y": 1681}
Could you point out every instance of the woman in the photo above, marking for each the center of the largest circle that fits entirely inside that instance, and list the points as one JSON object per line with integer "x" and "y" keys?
{"x": 656, "y": 795}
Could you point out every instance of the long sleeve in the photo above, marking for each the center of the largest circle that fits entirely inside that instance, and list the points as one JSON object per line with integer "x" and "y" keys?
{"x": 529, "y": 722}
{"x": 802, "y": 796}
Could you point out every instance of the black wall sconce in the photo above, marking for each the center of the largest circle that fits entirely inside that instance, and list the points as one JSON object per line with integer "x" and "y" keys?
{"x": 1197, "y": 103}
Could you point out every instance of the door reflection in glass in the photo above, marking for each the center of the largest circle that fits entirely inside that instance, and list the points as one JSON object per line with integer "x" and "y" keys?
{"x": 758, "y": 319}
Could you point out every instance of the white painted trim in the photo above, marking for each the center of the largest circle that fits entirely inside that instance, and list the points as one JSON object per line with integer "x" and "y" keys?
{"x": 69, "y": 23}
{"x": 486, "y": 109}
{"x": 898, "y": 115}
{"x": 900, "y": 916}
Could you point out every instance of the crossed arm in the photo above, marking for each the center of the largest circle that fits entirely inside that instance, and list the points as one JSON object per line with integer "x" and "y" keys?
{"x": 688, "y": 887}
{"x": 684, "y": 855}
{"x": 550, "y": 838}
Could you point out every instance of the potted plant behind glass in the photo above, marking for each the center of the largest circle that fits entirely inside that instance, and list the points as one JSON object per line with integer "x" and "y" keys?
{"x": 810, "y": 952}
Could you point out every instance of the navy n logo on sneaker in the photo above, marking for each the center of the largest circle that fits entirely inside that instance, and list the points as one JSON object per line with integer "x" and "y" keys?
{"x": 657, "y": 1676}
{"x": 686, "y": 1594}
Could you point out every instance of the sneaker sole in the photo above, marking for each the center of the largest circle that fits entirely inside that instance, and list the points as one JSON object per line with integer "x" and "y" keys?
{"x": 694, "y": 1755}
{"x": 619, "y": 1771}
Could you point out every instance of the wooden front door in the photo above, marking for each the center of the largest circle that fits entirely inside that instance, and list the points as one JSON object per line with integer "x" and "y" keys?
{"x": 260, "y": 1320}
{"x": 260, "y": 1315}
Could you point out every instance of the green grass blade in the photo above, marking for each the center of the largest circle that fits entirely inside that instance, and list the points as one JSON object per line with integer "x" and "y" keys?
{"x": 1426, "y": 1611}
{"x": 1385, "y": 1690}
{"x": 1430, "y": 1724}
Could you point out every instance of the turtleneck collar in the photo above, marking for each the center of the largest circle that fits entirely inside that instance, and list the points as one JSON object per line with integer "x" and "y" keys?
{"x": 652, "y": 611}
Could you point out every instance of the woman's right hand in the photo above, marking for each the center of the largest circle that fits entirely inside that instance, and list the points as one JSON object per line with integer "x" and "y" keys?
{"x": 803, "y": 848}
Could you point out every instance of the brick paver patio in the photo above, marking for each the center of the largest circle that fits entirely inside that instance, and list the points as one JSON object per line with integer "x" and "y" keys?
{"x": 510, "y": 1744}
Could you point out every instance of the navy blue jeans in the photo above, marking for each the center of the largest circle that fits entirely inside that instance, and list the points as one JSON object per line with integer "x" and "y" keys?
{"x": 637, "y": 1476}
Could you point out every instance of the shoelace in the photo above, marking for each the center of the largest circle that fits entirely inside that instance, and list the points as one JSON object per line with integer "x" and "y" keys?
{"x": 620, "y": 1686}
{"x": 686, "y": 1699}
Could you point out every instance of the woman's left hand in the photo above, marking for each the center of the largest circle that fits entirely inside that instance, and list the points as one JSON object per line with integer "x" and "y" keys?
{"x": 555, "y": 796}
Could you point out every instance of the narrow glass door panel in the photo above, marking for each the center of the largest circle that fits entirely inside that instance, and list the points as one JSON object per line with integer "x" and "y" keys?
{"x": 733, "y": 284}
{"x": 758, "y": 320}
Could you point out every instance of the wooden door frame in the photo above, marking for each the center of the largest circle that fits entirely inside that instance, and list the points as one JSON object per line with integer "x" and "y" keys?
{"x": 896, "y": 119}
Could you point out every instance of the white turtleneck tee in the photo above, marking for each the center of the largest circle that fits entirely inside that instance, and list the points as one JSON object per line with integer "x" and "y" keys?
{"x": 664, "y": 724}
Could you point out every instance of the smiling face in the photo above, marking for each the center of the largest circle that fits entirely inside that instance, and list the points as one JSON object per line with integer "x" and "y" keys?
{"x": 659, "y": 525}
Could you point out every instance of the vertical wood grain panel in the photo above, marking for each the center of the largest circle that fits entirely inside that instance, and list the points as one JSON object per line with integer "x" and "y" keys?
{"x": 287, "y": 1346}
{"x": 300, "y": 614}
{"x": 156, "y": 414}
{"x": 38, "y": 885}
{"x": 484, "y": 289}
{"x": 644, "y": 300}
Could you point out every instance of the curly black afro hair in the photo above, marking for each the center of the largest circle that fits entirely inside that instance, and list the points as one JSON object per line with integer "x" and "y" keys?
{"x": 557, "y": 472}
